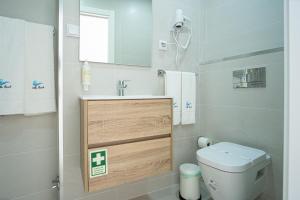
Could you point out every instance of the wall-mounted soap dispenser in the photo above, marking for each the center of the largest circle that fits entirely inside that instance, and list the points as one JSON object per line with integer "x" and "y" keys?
{"x": 86, "y": 76}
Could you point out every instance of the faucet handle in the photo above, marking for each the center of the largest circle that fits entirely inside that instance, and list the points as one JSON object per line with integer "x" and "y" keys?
{"x": 123, "y": 83}
{"x": 121, "y": 87}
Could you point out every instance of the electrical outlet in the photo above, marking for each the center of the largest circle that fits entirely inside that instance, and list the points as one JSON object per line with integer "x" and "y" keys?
{"x": 163, "y": 45}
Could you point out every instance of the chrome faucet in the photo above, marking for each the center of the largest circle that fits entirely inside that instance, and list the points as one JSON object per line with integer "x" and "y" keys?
{"x": 122, "y": 86}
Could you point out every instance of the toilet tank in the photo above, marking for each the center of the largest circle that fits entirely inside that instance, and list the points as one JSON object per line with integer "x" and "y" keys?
{"x": 233, "y": 172}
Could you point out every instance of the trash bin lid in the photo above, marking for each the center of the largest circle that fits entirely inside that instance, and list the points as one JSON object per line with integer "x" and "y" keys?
{"x": 189, "y": 170}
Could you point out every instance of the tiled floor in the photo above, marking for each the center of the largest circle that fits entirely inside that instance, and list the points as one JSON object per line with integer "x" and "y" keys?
{"x": 170, "y": 193}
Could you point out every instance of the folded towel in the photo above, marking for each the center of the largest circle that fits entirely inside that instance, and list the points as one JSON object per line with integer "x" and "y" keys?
{"x": 173, "y": 89}
{"x": 39, "y": 74}
{"x": 12, "y": 44}
{"x": 188, "y": 114}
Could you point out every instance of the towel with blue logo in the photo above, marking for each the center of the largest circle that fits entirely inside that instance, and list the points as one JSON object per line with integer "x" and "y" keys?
{"x": 188, "y": 98}
{"x": 39, "y": 75}
{"x": 12, "y": 66}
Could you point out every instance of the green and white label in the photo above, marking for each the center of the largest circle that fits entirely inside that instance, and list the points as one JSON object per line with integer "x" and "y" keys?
{"x": 98, "y": 163}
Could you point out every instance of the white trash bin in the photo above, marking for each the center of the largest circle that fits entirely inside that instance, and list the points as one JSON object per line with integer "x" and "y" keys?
{"x": 190, "y": 181}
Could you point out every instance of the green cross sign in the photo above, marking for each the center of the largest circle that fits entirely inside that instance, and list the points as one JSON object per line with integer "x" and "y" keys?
{"x": 98, "y": 163}
{"x": 99, "y": 158}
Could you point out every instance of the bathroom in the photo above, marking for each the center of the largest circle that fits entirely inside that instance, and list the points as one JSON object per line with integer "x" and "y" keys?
{"x": 42, "y": 153}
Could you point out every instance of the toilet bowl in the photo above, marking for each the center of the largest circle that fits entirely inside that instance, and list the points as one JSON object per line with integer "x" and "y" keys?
{"x": 233, "y": 172}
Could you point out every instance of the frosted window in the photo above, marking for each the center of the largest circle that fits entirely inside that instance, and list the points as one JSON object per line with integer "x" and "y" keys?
{"x": 94, "y": 38}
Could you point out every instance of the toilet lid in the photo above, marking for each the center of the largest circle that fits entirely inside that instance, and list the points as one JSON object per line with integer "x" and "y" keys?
{"x": 230, "y": 157}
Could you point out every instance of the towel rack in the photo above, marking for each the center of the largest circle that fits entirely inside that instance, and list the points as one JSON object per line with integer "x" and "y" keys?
{"x": 162, "y": 72}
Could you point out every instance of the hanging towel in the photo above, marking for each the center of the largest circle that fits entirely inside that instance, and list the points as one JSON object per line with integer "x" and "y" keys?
{"x": 188, "y": 98}
{"x": 12, "y": 44}
{"x": 39, "y": 73}
{"x": 173, "y": 89}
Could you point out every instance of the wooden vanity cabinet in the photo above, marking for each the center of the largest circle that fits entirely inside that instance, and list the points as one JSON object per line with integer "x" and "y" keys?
{"x": 134, "y": 135}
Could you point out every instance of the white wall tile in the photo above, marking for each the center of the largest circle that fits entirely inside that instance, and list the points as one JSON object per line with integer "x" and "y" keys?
{"x": 22, "y": 134}
{"x": 241, "y": 27}
{"x": 27, "y": 173}
{"x": 217, "y": 89}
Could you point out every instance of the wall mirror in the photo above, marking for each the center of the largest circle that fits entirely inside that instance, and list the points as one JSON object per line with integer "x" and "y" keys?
{"x": 116, "y": 31}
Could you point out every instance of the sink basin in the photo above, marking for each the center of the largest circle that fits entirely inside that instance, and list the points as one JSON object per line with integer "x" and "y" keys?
{"x": 99, "y": 97}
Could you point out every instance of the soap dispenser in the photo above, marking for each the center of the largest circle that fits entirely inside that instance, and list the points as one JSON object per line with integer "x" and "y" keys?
{"x": 86, "y": 76}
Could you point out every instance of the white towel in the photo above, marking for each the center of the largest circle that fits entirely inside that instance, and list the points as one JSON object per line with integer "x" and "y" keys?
{"x": 39, "y": 76}
{"x": 188, "y": 113}
{"x": 173, "y": 89}
{"x": 12, "y": 44}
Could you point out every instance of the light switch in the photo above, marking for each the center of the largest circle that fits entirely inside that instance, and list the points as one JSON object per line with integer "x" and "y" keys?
{"x": 73, "y": 30}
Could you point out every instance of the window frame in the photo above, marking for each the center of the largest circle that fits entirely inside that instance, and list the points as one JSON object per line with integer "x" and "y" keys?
{"x": 110, "y": 15}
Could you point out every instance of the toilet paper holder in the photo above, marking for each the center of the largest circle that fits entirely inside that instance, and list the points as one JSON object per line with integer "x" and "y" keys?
{"x": 204, "y": 142}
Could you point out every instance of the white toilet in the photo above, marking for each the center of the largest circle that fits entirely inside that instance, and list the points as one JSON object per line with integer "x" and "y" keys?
{"x": 233, "y": 172}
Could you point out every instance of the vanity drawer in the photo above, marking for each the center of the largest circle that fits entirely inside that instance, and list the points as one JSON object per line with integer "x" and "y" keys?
{"x": 119, "y": 121}
{"x": 133, "y": 161}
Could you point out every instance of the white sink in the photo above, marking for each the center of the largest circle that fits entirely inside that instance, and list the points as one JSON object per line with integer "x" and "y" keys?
{"x": 99, "y": 97}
